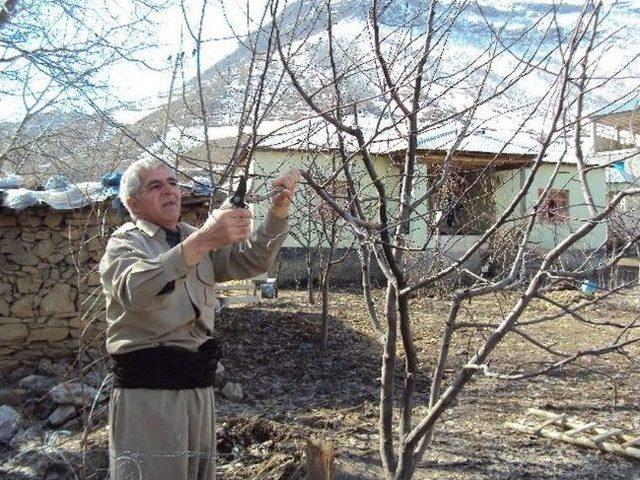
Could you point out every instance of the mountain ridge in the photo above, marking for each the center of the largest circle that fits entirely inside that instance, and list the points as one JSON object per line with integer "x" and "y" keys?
{"x": 224, "y": 82}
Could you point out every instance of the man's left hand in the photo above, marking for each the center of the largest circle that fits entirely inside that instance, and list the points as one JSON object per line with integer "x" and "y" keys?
{"x": 282, "y": 200}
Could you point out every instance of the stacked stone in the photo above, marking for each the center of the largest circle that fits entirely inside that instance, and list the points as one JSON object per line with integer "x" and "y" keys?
{"x": 49, "y": 270}
{"x": 50, "y": 295}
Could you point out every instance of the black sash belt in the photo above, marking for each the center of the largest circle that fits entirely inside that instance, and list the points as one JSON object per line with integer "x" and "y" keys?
{"x": 167, "y": 368}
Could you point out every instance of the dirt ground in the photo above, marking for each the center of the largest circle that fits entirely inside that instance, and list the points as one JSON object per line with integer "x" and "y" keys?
{"x": 293, "y": 392}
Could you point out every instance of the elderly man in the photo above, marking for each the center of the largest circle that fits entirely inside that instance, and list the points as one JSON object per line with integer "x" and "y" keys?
{"x": 158, "y": 276}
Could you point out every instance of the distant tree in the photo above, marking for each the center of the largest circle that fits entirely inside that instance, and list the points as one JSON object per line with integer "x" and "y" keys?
{"x": 55, "y": 65}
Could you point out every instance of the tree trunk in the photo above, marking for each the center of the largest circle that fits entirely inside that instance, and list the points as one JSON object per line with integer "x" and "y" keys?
{"x": 310, "y": 256}
{"x": 326, "y": 272}
{"x": 387, "y": 453}
{"x": 326, "y": 269}
{"x": 319, "y": 460}
{"x": 324, "y": 332}
{"x": 365, "y": 264}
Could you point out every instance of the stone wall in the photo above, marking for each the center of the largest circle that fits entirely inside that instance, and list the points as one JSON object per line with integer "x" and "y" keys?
{"x": 51, "y": 301}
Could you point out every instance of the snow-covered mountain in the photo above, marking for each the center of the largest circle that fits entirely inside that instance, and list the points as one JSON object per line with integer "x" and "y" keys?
{"x": 500, "y": 39}
{"x": 463, "y": 39}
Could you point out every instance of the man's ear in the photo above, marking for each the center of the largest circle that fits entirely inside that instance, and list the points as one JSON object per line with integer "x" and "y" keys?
{"x": 133, "y": 205}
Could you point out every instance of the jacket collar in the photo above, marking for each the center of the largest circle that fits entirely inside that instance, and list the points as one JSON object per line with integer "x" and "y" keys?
{"x": 152, "y": 229}
{"x": 148, "y": 227}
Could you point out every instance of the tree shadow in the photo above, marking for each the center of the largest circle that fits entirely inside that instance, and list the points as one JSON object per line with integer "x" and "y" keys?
{"x": 275, "y": 355}
{"x": 272, "y": 350}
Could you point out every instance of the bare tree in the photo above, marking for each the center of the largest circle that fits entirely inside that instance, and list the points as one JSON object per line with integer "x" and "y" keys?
{"x": 381, "y": 110}
{"x": 192, "y": 116}
{"x": 413, "y": 86}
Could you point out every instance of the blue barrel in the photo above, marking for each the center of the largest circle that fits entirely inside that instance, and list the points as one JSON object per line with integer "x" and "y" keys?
{"x": 589, "y": 287}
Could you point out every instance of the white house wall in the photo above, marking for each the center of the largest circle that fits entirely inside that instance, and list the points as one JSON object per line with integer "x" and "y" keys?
{"x": 547, "y": 235}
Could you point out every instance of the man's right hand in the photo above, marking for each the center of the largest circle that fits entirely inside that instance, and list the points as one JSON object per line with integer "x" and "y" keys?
{"x": 222, "y": 228}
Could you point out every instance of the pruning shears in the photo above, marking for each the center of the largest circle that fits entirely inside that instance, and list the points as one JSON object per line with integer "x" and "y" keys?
{"x": 238, "y": 201}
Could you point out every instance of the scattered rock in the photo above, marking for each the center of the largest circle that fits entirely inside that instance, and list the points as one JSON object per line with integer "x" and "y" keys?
{"x": 62, "y": 414}
{"x": 12, "y": 396}
{"x": 73, "y": 393}
{"x": 41, "y": 410}
{"x": 219, "y": 382}
{"x": 31, "y": 434}
{"x": 9, "y": 420}
{"x": 52, "y": 369}
{"x": 38, "y": 384}
{"x": 24, "y": 437}
{"x": 94, "y": 378}
{"x": 233, "y": 391}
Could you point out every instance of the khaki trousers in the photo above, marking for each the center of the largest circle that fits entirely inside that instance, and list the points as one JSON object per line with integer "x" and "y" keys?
{"x": 162, "y": 434}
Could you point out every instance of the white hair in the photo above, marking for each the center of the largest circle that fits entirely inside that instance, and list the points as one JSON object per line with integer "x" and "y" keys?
{"x": 131, "y": 181}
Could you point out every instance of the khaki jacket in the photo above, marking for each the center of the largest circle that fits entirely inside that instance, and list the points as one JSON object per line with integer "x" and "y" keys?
{"x": 138, "y": 264}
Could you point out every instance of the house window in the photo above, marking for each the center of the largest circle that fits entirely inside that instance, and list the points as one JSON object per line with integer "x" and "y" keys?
{"x": 555, "y": 207}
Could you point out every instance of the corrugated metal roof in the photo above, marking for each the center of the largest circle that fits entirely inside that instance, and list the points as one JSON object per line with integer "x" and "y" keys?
{"x": 624, "y": 119}
{"x": 383, "y": 139}
{"x": 481, "y": 140}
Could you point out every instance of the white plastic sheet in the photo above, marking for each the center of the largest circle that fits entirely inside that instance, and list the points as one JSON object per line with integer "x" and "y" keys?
{"x": 10, "y": 180}
{"x": 76, "y": 196}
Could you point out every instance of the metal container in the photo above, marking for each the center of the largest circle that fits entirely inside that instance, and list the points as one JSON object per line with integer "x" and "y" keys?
{"x": 269, "y": 289}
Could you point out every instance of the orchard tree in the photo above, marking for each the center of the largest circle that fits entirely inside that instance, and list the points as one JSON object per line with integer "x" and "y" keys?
{"x": 420, "y": 83}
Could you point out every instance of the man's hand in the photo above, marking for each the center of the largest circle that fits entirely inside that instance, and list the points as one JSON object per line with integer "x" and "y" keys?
{"x": 222, "y": 228}
{"x": 282, "y": 200}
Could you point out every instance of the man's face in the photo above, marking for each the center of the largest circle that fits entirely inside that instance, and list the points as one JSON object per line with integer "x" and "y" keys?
{"x": 158, "y": 199}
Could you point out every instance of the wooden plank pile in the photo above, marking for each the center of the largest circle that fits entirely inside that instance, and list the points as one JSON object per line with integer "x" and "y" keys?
{"x": 560, "y": 427}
